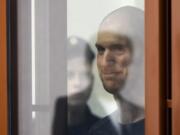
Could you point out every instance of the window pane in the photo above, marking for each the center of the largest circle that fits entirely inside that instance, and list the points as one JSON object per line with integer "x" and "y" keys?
{"x": 112, "y": 101}
{"x": 80, "y": 66}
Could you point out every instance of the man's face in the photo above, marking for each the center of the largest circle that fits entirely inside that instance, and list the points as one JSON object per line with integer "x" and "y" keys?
{"x": 113, "y": 58}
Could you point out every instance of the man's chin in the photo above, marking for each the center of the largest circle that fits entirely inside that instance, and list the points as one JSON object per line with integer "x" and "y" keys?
{"x": 111, "y": 89}
{"x": 113, "y": 86}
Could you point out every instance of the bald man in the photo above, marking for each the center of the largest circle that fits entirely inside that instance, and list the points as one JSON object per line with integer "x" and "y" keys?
{"x": 120, "y": 36}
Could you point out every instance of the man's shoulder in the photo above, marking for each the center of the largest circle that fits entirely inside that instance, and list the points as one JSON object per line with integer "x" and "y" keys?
{"x": 101, "y": 123}
{"x": 104, "y": 126}
{"x": 110, "y": 126}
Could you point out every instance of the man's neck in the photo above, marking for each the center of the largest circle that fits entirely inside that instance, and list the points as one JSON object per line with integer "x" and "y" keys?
{"x": 128, "y": 112}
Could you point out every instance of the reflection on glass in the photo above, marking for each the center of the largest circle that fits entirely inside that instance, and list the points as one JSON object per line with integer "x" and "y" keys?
{"x": 33, "y": 67}
{"x": 90, "y": 91}
{"x": 79, "y": 83}
{"x": 120, "y": 43}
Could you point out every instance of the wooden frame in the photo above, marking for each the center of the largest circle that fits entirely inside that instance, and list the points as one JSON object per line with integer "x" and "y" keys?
{"x": 156, "y": 70}
{"x": 175, "y": 67}
{"x": 3, "y": 70}
{"x": 152, "y": 71}
{"x": 155, "y": 98}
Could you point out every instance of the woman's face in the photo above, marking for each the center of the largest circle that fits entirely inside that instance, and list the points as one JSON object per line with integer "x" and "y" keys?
{"x": 79, "y": 80}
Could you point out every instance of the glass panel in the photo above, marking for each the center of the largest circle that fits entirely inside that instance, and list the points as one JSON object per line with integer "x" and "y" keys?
{"x": 41, "y": 63}
{"x": 112, "y": 101}
{"x": 81, "y": 67}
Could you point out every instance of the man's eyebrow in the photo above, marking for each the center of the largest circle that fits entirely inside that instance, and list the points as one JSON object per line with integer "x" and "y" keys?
{"x": 98, "y": 45}
{"x": 114, "y": 46}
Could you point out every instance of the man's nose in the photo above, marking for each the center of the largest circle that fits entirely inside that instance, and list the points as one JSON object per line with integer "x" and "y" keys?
{"x": 108, "y": 58}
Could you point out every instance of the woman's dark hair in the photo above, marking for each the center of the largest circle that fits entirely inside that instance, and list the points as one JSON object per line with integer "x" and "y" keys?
{"x": 78, "y": 47}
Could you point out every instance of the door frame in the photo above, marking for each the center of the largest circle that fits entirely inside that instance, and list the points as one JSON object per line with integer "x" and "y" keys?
{"x": 3, "y": 69}
{"x": 176, "y": 67}
{"x": 157, "y": 69}
{"x": 155, "y": 103}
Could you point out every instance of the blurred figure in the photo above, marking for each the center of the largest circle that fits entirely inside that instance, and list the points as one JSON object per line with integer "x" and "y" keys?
{"x": 72, "y": 115}
{"x": 119, "y": 39}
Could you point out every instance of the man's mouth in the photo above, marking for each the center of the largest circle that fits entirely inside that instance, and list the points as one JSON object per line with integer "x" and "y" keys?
{"x": 112, "y": 72}
{"x": 110, "y": 75}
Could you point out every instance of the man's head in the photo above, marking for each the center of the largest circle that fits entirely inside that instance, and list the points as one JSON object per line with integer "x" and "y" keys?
{"x": 79, "y": 71}
{"x": 117, "y": 36}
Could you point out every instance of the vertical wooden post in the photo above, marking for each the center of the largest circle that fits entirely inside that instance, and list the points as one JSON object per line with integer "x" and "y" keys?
{"x": 3, "y": 70}
{"x": 154, "y": 93}
{"x": 175, "y": 67}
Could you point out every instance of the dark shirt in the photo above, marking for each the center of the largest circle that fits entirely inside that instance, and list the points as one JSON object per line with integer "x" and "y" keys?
{"x": 107, "y": 126}
{"x": 60, "y": 124}
{"x": 83, "y": 128}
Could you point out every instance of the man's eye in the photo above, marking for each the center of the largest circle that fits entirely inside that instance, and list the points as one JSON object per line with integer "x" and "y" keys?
{"x": 100, "y": 49}
{"x": 119, "y": 49}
